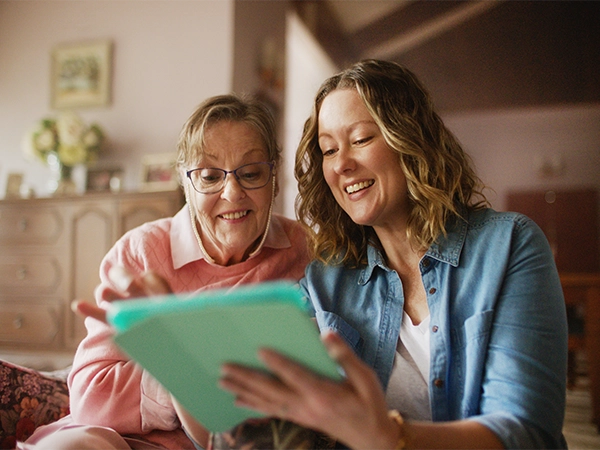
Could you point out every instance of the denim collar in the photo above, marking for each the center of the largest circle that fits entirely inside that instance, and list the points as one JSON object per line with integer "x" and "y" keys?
{"x": 446, "y": 249}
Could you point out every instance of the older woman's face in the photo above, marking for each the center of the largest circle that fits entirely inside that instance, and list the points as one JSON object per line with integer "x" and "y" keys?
{"x": 362, "y": 171}
{"x": 231, "y": 221}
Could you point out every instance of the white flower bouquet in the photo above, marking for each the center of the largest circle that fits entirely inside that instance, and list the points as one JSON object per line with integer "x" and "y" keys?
{"x": 66, "y": 140}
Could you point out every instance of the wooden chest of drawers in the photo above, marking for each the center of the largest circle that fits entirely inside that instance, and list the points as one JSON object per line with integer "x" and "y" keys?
{"x": 50, "y": 253}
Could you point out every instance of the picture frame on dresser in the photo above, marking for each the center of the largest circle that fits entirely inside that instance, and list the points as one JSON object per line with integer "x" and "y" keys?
{"x": 108, "y": 179}
{"x": 81, "y": 74}
{"x": 159, "y": 172}
{"x": 14, "y": 182}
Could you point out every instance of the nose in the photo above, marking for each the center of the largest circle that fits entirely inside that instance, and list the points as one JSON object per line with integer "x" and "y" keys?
{"x": 344, "y": 160}
{"x": 232, "y": 191}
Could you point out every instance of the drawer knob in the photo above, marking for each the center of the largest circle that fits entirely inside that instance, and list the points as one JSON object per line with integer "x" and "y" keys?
{"x": 22, "y": 273}
{"x": 18, "y": 322}
{"x": 23, "y": 224}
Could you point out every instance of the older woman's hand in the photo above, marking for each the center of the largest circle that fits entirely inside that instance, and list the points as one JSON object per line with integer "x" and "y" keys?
{"x": 128, "y": 286}
{"x": 353, "y": 411}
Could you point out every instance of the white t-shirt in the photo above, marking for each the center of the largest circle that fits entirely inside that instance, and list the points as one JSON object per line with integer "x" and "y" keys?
{"x": 408, "y": 388}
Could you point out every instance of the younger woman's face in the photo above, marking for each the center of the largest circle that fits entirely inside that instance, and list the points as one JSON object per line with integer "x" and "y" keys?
{"x": 362, "y": 171}
{"x": 230, "y": 222}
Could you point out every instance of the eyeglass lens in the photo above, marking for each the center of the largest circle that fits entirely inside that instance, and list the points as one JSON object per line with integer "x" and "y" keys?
{"x": 211, "y": 180}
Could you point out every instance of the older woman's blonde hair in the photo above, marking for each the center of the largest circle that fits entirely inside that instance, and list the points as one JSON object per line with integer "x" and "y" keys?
{"x": 230, "y": 107}
{"x": 441, "y": 181}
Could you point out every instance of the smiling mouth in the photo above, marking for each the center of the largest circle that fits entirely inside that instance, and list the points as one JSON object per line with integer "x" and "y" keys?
{"x": 235, "y": 215}
{"x": 359, "y": 186}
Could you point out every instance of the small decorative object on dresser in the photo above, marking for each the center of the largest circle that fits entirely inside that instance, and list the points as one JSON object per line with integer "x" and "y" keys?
{"x": 13, "y": 185}
{"x": 158, "y": 172}
{"x": 63, "y": 143}
{"x": 81, "y": 75}
{"x": 104, "y": 179}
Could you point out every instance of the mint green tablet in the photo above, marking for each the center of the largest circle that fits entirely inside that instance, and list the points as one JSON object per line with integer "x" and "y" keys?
{"x": 183, "y": 341}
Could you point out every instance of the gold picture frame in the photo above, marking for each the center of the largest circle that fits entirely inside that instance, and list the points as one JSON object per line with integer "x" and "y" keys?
{"x": 159, "y": 172}
{"x": 81, "y": 75}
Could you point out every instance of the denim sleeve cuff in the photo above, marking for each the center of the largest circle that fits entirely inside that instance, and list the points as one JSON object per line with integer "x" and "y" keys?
{"x": 515, "y": 433}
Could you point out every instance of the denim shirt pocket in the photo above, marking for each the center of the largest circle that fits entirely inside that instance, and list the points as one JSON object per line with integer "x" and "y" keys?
{"x": 329, "y": 321}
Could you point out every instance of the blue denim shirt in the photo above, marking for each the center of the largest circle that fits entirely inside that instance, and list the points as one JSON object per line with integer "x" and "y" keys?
{"x": 498, "y": 324}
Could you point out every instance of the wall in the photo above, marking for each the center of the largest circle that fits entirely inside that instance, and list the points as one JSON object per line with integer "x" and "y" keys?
{"x": 168, "y": 56}
{"x": 259, "y": 63}
{"x": 518, "y": 86}
{"x": 307, "y": 67}
{"x": 511, "y": 147}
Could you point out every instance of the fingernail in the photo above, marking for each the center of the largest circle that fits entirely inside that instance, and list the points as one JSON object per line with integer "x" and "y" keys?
{"x": 74, "y": 305}
{"x": 120, "y": 277}
{"x": 329, "y": 340}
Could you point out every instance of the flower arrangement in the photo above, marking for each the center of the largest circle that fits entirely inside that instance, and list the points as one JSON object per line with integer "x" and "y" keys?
{"x": 66, "y": 140}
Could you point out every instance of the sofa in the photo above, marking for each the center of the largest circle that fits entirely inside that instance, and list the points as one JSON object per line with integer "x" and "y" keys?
{"x": 29, "y": 399}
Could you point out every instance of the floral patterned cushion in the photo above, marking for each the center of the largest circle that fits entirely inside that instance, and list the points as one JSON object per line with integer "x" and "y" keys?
{"x": 29, "y": 399}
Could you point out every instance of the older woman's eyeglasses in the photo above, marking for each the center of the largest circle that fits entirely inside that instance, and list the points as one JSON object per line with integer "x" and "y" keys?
{"x": 212, "y": 180}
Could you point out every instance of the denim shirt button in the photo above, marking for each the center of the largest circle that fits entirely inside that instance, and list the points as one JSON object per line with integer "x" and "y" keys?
{"x": 426, "y": 263}
{"x": 432, "y": 290}
{"x": 438, "y": 383}
{"x": 434, "y": 329}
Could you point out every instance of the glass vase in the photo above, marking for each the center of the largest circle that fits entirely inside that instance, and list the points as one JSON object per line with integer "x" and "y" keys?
{"x": 62, "y": 181}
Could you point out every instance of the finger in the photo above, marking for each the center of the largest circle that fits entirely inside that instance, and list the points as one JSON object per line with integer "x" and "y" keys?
{"x": 358, "y": 374}
{"x": 147, "y": 285}
{"x": 294, "y": 375}
{"x": 154, "y": 285}
{"x": 252, "y": 389}
{"x": 87, "y": 309}
{"x": 106, "y": 293}
{"x": 121, "y": 278}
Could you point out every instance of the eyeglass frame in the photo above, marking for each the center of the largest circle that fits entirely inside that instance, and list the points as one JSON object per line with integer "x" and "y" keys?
{"x": 271, "y": 165}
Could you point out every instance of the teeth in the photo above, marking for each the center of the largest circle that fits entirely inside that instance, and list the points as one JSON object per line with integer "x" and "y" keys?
{"x": 358, "y": 186}
{"x": 235, "y": 215}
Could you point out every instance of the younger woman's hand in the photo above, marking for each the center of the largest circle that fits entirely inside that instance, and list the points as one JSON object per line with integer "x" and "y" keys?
{"x": 352, "y": 411}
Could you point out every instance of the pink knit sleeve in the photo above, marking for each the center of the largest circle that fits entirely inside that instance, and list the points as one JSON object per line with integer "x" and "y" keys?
{"x": 106, "y": 388}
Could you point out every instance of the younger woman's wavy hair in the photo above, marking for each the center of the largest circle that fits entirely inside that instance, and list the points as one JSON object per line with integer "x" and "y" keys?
{"x": 441, "y": 181}
{"x": 230, "y": 107}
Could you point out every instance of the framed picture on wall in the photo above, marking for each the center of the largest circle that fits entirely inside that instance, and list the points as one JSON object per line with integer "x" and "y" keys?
{"x": 158, "y": 172}
{"x": 81, "y": 75}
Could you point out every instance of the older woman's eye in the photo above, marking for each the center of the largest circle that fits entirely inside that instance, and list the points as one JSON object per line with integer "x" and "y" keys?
{"x": 329, "y": 152}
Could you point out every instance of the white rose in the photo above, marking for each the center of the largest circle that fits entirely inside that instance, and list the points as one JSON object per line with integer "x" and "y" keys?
{"x": 44, "y": 141}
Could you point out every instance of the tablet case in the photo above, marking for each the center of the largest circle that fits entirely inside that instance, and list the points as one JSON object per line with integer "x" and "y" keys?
{"x": 183, "y": 341}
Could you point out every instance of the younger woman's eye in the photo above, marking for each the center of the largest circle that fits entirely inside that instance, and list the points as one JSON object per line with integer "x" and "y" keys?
{"x": 328, "y": 152}
{"x": 363, "y": 140}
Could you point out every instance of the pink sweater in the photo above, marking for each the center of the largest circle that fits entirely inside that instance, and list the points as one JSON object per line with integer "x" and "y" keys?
{"x": 108, "y": 389}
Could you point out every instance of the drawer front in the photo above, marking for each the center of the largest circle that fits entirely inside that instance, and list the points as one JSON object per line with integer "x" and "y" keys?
{"x": 29, "y": 226}
{"x": 29, "y": 274}
{"x": 24, "y": 323}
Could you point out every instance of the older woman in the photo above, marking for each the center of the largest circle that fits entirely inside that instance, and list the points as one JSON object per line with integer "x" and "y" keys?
{"x": 226, "y": 235}
{"x": 455, "y": 310}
